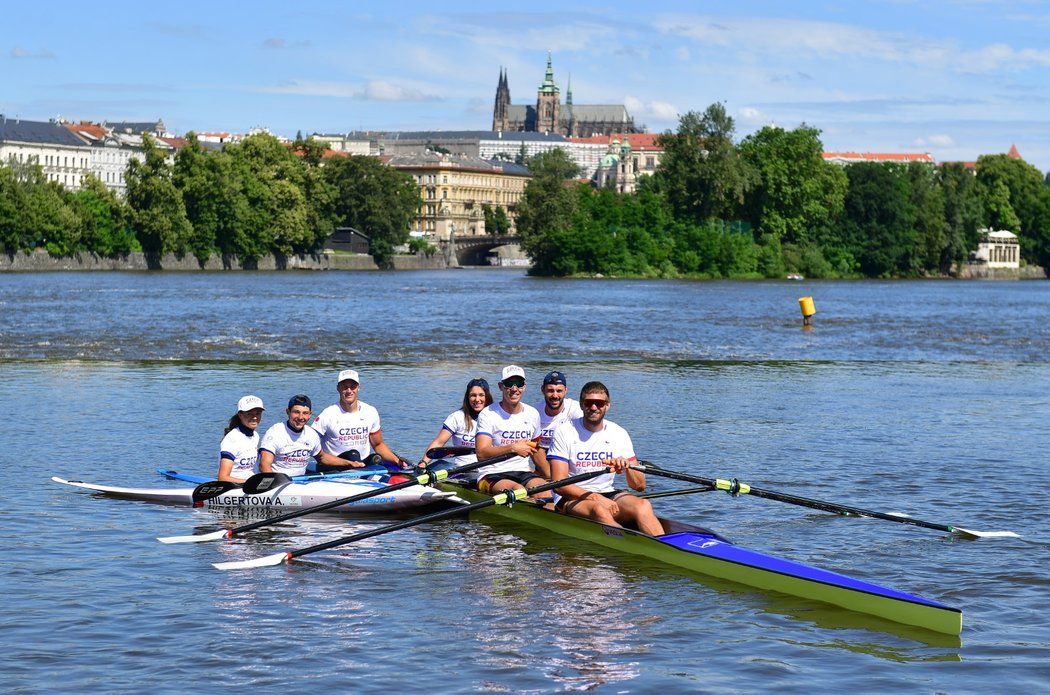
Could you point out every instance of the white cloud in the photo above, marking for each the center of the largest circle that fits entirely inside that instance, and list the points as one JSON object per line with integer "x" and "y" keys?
{"x": 23, "y": 53}
{"x": 682, "y": 53}
{"x": 660, "y": 110}
{"x": 749, "y": 115}
{"x": 374, "y": 90}
{"x": 941, "y": 140}
{"x": 829, "y": 40}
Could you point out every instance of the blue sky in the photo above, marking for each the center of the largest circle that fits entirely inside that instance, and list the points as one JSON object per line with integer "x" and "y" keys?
{"x": 956, "y": 78}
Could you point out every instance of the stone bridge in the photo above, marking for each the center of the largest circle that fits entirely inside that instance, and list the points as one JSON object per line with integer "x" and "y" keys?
{"x": 473, "y": 250}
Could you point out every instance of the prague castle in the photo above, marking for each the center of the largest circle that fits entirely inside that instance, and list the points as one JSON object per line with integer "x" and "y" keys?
{"x": 549, "y": 115}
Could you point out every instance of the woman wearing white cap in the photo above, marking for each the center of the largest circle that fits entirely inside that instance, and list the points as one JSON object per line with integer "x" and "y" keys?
{"x": 239, "y": 451}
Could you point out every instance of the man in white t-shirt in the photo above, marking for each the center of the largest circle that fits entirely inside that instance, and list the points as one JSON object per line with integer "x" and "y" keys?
{"x": 350, "y": 430}
{"x": 508, "y": 426}
{"x": 592, "y": 443}
{"x": 557, "y": 408}
{"x": 289, "y": 446}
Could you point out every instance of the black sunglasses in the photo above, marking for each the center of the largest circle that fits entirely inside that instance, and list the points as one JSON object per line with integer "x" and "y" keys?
{"x": 514, "y": 382}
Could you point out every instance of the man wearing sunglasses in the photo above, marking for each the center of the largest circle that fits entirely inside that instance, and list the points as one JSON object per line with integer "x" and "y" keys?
{"x": 591, "y": 443}
{"x": 505, "y": 427}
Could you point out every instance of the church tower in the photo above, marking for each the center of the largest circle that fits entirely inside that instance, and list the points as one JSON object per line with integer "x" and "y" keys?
{"x": 501, "y": 111}
{"x": 548, "y": 103}
{"x": 572, "y": 128}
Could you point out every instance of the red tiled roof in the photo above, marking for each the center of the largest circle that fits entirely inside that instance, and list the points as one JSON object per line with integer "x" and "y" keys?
{"x": 1013, "y": 153}
{"x": 637, "y": 141}
{"x": 881, "y": 156}
{"x": 90, "y": 130}
{"x": 175, "y": 143}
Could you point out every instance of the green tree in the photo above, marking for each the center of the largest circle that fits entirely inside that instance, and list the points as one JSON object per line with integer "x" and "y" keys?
{"x": 545, "y": 222}
{"x": 963, "y": 213}
{"x": 202, "y": 197}
{"x": 1025, "y": 196}
{"x": 379, "y": 201}
{"x": 158, "y": 215}
{"x": 927, "y": 202}
{"x": 103, "y": 219}
{"x": 701, "y": 171}
{"x": 878, "y": 219}
{"x": 555, "y": 163}
{"x": 798, "y": 196}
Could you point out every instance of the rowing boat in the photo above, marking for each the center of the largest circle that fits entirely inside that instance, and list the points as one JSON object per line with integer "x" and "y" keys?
{"x": 703, "y": 551}
{"x": 285, "y": 497}
{"x": 371, "y": 472}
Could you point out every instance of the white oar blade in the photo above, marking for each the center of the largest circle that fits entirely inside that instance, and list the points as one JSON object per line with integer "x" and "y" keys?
{"x": 268, "y": 561}
{"x": 217, "y": 535}
{"x": 984, "y": 534}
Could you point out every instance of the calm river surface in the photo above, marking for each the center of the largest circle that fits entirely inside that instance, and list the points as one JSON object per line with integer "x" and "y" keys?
{"x": 924, "y": 397}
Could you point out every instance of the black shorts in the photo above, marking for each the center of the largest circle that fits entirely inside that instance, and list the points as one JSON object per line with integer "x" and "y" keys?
{"x": 522, "y": 478}
{"x": 562, "y": 501}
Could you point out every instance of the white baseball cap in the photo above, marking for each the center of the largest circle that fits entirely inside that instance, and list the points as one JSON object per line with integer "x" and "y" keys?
{"x": 249, "y": 403}
{"x": 350, "y": 374}
{"x": 512, "y": 370}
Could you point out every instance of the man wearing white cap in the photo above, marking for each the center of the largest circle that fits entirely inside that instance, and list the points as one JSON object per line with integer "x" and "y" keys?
{"x": 505, "y": 427}
{"x": 350, "y": 430}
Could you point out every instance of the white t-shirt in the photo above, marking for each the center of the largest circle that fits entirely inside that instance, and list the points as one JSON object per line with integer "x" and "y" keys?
{"x": 291, "y": 450}
{"x": 505, "y": 428}
{"x": 586, "y": 451}
{"x": 342, "y": 431}
{"x": 548, "y": 423}
{"x": 243, "y": 450}
{"x": 456, "y": 424}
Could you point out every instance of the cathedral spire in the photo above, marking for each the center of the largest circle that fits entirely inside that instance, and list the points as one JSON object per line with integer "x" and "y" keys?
{"x": 568, "y": 92}
{"x": 549, "y": 86}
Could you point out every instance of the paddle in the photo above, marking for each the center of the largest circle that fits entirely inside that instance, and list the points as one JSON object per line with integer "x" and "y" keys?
{"x": 264, "y": 482}
{"x": 508, "y": 497}
{"x": 423, "y": 479}
{"x": 735, "y": 487}
{"x": 211, "y": 489}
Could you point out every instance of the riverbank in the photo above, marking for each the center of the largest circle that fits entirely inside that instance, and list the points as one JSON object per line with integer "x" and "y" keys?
{"x": 39, "y": 261}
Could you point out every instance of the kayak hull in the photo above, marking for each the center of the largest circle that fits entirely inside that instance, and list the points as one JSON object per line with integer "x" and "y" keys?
{"x": 288, "y": 497}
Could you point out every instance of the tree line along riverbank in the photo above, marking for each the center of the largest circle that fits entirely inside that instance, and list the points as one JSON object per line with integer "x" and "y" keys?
{"x": 766, "y": 206}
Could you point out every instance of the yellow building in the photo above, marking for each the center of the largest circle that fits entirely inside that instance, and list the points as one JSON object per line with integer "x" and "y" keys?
{"x": 453, "y": 189}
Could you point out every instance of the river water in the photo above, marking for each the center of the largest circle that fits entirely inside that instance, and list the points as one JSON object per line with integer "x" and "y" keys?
{"x": 923, "y": 397}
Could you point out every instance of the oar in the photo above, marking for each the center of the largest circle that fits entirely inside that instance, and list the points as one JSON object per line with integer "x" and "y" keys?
{"x": 675, "y": 493}
{"x": 426, "y": 478}
{"x": 735, "y": 487}
{"x": 508, "y": 497}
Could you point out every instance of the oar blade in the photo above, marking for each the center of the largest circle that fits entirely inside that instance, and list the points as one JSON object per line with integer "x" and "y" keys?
{"x": 268, "y": 561}
{"x": 967, "y": 533}
{"x": 217, "y": 535}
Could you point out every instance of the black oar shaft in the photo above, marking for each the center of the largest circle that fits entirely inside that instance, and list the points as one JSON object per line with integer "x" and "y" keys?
{"x": 733, "y": 486}
{"x": 500, "y": 498}
{"x": 424, "y": 479}
{"x": 675, "y": 493}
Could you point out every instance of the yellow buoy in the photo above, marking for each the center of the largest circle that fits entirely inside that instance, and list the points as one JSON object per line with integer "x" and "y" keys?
{"x": 806, "y": 304}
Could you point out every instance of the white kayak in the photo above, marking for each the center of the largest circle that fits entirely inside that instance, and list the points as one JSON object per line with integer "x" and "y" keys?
{"x": 287, "y": 497}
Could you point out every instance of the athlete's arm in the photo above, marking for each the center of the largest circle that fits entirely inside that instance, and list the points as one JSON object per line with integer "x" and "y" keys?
{"x": 225, "y": 469}
{"x": 443, "y": 436}
{"x": 381, "y": 448}
{"x": 336, "y": 461}
{"x": 265, "y": 461}
{"x": 635, "y": 479}
{"x": 543, "y": 466}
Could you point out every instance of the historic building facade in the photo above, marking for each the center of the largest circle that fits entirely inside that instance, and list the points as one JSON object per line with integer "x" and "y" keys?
{"x": 549, "y": 115}
{"x": 453, "y": 189}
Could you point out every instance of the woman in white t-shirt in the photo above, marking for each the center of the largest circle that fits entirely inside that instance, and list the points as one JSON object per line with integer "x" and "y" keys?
{"x": 239, "y": 451}
{"x": 461, "y": 426}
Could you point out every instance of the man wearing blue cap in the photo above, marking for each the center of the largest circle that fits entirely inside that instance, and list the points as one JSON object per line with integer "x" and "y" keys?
{"x": 557, "y": 408}
{"x": 289, "y": 446}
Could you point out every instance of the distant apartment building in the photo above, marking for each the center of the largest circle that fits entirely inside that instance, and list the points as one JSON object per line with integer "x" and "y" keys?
{"x": 453, "y": 189}
{"x": 63, "y": 156}
{"x": 627, "y": 157}
{"x": 349, "y": 143}
{"x": 885, "y": 157}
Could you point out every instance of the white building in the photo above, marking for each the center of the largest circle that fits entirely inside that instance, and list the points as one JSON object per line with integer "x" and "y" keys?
{"x": 64, "y": 157}
{"x": 998, "y": 249}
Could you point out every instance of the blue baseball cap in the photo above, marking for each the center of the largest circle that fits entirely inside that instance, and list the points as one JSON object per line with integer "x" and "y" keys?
{"x": 300, "y": 399}
{"x": 554, "y": 378}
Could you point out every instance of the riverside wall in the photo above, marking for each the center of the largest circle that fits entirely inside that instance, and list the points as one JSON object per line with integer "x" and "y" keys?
{"x": 39, "y": 260}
